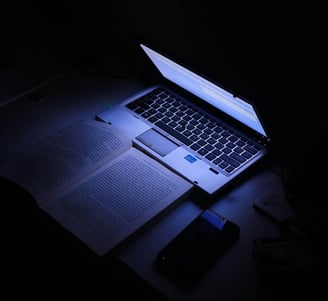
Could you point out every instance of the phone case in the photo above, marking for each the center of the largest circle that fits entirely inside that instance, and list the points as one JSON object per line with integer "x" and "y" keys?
{"x": 196, "y": 248}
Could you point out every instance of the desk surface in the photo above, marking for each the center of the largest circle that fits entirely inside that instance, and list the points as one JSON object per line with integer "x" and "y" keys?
{"x": 79, "y": 96}
{"x": 237, "y": 268}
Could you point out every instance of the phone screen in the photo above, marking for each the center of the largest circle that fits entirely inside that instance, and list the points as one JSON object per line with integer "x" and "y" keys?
{"x": 197, "y": 247}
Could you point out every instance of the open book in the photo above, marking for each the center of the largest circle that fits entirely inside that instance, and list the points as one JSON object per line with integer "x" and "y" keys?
{"x": 93, "y": 181}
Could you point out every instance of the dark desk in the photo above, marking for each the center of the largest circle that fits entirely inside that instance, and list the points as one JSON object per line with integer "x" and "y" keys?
{"x": 32, "y": 233}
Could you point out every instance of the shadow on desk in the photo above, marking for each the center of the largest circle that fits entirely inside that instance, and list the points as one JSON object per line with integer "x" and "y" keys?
{"x": 35, "y": 248}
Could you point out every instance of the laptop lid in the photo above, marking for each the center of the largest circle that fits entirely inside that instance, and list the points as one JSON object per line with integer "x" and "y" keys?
{"x": 221, "y": 99}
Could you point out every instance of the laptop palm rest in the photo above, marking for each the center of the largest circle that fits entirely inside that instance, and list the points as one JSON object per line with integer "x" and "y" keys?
{"x": 157, "y": 142}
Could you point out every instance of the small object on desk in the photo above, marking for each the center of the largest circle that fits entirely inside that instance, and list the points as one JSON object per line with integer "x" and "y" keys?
{"x": 275, "y": 207}
{"x": 196, "y": 248}
{"x": 283, "y": 260}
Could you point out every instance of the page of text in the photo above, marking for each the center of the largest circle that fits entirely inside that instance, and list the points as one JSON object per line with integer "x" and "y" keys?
{"x": 66, "y": 157}
{"x": 122, "y": 196}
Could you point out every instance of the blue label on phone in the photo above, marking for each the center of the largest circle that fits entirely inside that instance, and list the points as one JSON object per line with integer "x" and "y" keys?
{"x": 215, "y": 219}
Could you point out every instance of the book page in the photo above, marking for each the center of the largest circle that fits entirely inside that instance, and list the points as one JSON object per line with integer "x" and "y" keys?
{"x": 115, "y": 201}
{"x": 57, "y": 162}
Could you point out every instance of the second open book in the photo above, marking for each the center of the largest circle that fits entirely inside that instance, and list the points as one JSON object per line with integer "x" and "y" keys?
{"x": 91, "y": 180}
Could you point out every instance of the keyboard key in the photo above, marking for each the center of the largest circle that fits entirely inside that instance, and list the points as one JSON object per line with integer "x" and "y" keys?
{"x": 250, "y": 149}
{"x": 237, "y": 157}
{"x": 229, "y": 169}
{"x": 229, "y": 160}
{"x": 173, "y": 132}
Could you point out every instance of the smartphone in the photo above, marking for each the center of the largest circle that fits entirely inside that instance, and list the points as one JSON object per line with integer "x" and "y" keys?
{"x": 187, "y": 257}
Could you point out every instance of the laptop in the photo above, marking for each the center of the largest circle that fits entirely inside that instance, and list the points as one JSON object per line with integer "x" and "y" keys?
{"x": 192, "y": 125}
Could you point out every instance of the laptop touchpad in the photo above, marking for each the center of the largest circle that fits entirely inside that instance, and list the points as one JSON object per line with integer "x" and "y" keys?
{"x": 157, "y": 142}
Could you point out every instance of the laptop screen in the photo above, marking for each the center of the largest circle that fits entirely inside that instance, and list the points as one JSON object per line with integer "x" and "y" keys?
{"x": 204, "y": 89}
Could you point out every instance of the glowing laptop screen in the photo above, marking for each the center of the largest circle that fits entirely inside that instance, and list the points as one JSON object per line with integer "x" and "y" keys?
{"x": 204, "y": 89}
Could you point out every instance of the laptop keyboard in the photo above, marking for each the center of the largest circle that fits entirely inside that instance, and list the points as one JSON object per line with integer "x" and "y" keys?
{"x": 224, "y": 148}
